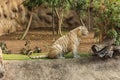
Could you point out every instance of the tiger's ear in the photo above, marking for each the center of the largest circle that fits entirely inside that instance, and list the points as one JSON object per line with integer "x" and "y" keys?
{"x": 81, "y": 27}
{"x": 79, "y": 32}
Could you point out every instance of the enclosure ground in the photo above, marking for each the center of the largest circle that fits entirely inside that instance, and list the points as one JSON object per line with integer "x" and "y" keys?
{"x": 84, "y": 68}
{"x": 42, "y": 39}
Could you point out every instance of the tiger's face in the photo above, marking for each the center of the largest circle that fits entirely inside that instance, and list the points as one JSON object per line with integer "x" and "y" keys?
{"x": 83, "y": 31}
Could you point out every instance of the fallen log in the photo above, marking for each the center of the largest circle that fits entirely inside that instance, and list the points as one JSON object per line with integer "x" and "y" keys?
{"x": 106, "y": 49}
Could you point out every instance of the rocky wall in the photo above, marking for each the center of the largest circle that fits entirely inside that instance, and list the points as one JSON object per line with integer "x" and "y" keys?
{"x": 14, "y": 16}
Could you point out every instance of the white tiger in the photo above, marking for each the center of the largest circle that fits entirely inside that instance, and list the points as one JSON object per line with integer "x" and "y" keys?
{"x": 66, "y": 43}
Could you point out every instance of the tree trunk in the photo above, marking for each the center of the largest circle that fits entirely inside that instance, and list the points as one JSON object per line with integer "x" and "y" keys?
{"x": 53, "y": 19}
{"x": 89, "y": 15}
{"x": 89, "y": 20}
{"x": 59, "y": 27}
{"x": 82, "y": 22}
{"x": 60, "y": 24}
{"x": 60, "y": 18}
{"x": 80, "y": 19}
{"x": 27, "y": 29}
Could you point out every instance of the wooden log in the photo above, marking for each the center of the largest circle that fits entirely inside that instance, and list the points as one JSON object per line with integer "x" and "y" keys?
{"x": 105, "y": 49}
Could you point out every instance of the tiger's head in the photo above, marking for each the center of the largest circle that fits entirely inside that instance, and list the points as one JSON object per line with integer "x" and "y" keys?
{"x": 82, "y": 31}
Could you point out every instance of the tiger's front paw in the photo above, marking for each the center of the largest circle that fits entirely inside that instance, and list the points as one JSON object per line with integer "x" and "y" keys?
{"x": 77, "y": 56}
{"x": 61, "y": 57}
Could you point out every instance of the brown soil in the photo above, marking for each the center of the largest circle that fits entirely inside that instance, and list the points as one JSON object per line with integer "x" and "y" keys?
{"x": 42, "y": 39}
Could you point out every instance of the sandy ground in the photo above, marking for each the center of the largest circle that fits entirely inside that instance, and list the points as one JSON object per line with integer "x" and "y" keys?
{"x": 63, "y": 69}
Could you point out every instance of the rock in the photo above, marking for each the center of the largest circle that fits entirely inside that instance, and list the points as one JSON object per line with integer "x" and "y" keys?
{"x": 63, "y": 69}
{"x": 2, "y": 69}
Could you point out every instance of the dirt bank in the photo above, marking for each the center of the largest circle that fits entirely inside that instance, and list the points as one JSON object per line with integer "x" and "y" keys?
{"x": 63, "y": 69}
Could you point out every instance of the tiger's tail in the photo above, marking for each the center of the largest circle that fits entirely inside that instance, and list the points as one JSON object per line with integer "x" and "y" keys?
{"x": 38, "y": 57}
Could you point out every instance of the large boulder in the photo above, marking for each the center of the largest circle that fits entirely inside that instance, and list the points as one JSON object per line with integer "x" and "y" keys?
{"x": 12, "y": 16}
{"x": 2, "y": 69}
{"x": 63, "y": 69}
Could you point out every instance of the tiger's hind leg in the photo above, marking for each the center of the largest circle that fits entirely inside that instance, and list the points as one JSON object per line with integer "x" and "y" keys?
{"x": 56, "y": 55}
{"x": 74, "y": 51}
{"x": 60, "y": 56}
